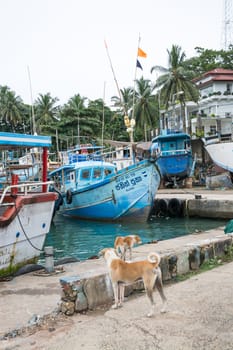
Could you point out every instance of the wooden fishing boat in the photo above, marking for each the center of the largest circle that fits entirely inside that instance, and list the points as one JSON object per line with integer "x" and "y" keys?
{"x": 26, "y": 208}
{"x": 173, "y": 155}
{"x": 96, "y": 190}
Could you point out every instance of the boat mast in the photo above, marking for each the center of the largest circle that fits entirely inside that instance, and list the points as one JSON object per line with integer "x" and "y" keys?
{"x": 103, "y": 121}
{"x": 114, "y": 76}
{"x": 128, "y": 123}
{"x": 32, "y": 104}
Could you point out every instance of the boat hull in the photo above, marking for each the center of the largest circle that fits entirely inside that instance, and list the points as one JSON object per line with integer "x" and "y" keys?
{"x": 222, "y": 154}
{"x": 23, "y": 228}
{"x": 178, "y": 166}
{"x": 173, "y": 155}
{"x": 127, "y": 196}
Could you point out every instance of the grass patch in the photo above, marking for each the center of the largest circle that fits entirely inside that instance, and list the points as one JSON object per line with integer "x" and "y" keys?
{"x": 208, "y": 265}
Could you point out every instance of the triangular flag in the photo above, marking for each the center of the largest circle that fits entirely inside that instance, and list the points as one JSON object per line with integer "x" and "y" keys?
{"x": 141, "y": 53}
{"x": 139, "y": 65}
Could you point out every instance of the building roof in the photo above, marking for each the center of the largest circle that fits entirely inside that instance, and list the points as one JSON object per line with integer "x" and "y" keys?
{"x": 217, "y": 74}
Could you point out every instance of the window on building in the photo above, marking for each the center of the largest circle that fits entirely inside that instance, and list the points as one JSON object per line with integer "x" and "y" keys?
{"x": 213, "y": 130}
{"x": 229, "y": 87}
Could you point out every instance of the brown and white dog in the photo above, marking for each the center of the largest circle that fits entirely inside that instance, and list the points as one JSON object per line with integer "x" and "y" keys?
{"x": 122, "y": 244}
{"x": 122, "y": 272}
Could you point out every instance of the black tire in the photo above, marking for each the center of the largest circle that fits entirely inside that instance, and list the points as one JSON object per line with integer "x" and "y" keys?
{"x": 163, "y": 207}
{"x": 175, "y": 207}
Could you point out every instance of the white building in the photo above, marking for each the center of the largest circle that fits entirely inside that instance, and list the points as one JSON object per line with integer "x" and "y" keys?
{"x": 213, "y": 114}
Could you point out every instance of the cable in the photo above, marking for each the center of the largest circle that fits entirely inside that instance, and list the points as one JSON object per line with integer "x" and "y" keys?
{"x": 17, "y": 214}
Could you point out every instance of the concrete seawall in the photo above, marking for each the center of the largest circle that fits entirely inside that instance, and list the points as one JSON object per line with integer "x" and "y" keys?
{"x": 91, "y": 289}
{"x": 196, "y": 202}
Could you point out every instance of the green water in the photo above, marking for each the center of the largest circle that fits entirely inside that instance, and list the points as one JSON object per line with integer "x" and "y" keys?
{"x": 84, "y": 239}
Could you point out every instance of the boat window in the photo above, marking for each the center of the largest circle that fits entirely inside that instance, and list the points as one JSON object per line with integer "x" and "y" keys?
{"x": 108, "y": 172}
{"x": 85, "y": 174}
{"x": 70, "y": 176}
{"x": 180, "y": 144}
{"x": 126, "y": 153}
{"x": 97, "y": 173}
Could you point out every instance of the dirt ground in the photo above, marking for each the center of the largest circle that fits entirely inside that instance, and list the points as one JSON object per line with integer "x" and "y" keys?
{"x": 199, "y": 316}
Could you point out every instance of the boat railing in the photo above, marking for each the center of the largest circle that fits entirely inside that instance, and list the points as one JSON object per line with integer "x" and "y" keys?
{"x": 175, "y": 152}
{"x": 107, "y": 154}
{"x": 24, "y": 188}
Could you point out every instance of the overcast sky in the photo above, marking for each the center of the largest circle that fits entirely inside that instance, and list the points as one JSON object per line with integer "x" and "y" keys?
{"x": 61, "y": 42}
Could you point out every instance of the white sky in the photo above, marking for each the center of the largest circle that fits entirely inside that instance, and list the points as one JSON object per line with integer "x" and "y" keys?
{"x": 61, "y": 42}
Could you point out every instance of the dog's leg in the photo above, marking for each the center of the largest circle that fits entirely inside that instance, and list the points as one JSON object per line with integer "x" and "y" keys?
{"x": 124, "y": 253}
{"x": 130, "y": 253}
{"x": 122, "y": 249}
{"x": 149, "y": 293}
{"x": 159, "y": 286}
{"x": 121, "y": 293}
{"x": 115, "y": 287}
{"x": 149, "y": 282}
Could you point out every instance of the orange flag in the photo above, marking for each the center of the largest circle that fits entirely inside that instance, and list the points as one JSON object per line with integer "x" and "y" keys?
{"x": 141, "y": 53}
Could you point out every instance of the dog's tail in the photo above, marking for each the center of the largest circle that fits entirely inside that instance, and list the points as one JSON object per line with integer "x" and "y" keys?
{"x": 154, "y": 258}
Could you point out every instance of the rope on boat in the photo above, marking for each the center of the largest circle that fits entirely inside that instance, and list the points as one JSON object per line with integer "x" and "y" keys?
{"x": 28, "y": 239}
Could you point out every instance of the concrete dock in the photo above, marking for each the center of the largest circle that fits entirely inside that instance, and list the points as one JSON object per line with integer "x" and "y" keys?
{"x": 196, "y": 201}
{"x": 32, "y": 296}
{"x": 28, "y": 295}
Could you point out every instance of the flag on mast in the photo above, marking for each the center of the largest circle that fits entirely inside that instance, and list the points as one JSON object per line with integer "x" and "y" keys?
{"x": 139, "y": 65}
{"x": 141, "y": 53}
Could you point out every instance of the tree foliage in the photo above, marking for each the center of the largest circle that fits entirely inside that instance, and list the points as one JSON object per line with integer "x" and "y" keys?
{"x": 94, "y": 120}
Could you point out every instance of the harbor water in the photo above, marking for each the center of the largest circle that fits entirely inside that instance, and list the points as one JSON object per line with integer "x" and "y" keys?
{"x": 84, "y": 239}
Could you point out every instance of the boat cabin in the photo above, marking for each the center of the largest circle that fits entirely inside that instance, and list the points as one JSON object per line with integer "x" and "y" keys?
{"x": 170, "y": 145}
{"x": 81, "y": 174}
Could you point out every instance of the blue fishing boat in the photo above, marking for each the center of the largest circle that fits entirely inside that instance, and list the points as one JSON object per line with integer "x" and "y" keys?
{"x": 173, "y": 155}
{"x": 96, "y": 190}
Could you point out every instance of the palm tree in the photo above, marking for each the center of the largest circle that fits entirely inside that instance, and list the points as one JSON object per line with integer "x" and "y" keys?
{"x": 46, "y": 112}
{"x": 11, "y": 107}
{"x": 145, "y": 108}
{"x": 175, "y": 81}
{"x": 75, "y": 109}
{"x": 125, "y": 102}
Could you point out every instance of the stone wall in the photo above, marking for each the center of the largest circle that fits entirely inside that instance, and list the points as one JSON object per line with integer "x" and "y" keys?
{"x": 83, "y": 292}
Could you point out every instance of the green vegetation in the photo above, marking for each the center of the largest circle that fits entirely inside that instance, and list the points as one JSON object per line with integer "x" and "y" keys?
{"x": 83, "y": 117}
{"x": 209, "y": 264}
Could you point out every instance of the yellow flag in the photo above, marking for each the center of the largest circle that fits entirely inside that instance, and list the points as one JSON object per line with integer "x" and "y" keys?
{"x": 141, "y": 53}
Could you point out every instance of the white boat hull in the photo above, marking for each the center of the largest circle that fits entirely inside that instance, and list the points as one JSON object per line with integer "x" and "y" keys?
{"x": 222, "y": 154}
{"x": 23, "y": 231}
